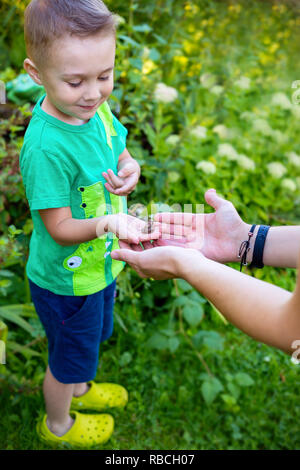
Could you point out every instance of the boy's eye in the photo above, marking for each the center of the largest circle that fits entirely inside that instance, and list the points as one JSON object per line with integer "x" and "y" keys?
{"x": 74, "y": 85}
{"x": 103, "y": 78}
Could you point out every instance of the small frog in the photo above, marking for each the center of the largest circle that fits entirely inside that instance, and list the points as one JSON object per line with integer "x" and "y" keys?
{"x": 140, "y": 211}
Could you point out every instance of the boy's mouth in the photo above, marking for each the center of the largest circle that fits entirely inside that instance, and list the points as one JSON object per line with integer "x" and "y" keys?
{"x": 89, "y": 108}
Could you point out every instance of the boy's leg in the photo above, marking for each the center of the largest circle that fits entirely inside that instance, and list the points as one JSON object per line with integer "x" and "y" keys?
{"x": 58, "y": 398}
{"x": 106, "y": 329}
{"x": 80, "y": 389}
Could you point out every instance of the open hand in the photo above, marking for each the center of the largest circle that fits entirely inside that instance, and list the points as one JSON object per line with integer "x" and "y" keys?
{"x": 159, "y": 263}
{"x": 218, "y": 235}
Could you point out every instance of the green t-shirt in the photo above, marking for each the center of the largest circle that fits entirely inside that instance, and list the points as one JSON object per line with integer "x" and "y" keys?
{"x": 62, "y": 165}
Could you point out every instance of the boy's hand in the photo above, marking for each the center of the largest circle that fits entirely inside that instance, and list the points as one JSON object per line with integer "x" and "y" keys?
{"x": 128, "y": 228}
{"x": 128, "y": 175}
{"x": 126, "y": 180}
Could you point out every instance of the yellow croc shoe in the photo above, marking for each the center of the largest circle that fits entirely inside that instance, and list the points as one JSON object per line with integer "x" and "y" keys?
{"x": 87, "y": 430}
{"x": 101, "y": 396}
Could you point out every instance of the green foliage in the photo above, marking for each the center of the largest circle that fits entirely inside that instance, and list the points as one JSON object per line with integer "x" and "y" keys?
{"x": 194, "y": 381}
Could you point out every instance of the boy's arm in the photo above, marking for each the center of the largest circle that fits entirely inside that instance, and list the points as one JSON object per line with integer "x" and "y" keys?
{"x": 67, "y": 231}
{"x": 128, "y": 175}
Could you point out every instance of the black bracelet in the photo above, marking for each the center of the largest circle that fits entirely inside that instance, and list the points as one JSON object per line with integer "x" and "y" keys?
{"x": 257, "y": 260}
{"x": 245, "y": 247}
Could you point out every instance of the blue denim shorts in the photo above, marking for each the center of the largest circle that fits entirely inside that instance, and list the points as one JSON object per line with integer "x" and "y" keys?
{"x": 75, "y": 326}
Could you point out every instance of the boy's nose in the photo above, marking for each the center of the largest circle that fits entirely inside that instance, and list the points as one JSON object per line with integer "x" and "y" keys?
{"x": 93, "y": 95}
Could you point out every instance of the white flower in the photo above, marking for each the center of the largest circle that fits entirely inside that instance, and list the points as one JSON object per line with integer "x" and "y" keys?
{"x": 295, "y": 361}
{"x": 279, "y": 136}
{"x": 199, "y": 132}
{"x": 267, "y": 358}
{"x": 247, "y": 115}
{"x": 227, "y": 150}
{"x": 207, "y": 167}
{"x": 246, "y": 162}
{"x": 280, "y": 99}
{"x": 221, "y": 130}
{"x": 277, "y": 170}
{"x": 293, "y": 158}
{"x": 296, "y": 110}
{"x": 164, "y": 93}
{"x": 243, "y": 83}
{"x": 119, "y": 20}
{"x": 173, "y": 139}
{"x": 146, "y": 52}
{"x": 208, "y": 80}
{"x": 217, "y": 90}
{"x": 289, "y": 184}
{"x": 173, "y": 176}
{"x": 262, "y": 126}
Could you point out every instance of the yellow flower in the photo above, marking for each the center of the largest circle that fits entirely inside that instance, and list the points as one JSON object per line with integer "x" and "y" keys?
{"x": 267, "y": 40}
{"x": 264, "y": 58}
{"x": 194, "y": 70}
{"x": 199, "y": 35}
{"x": 189, "y": 47}
{"x": 235, "y": 8}
{"x": 181, "y": 60}
{"x": 273, "y": 48}
{"x": 182, "y": 88}
{"x": 148, "y": 67}
{"x": 191, "y": 9}
{"x": 191, "y": 28}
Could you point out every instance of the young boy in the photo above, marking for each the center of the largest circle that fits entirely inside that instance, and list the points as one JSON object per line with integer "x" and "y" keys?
{"x": 76, "y": 171}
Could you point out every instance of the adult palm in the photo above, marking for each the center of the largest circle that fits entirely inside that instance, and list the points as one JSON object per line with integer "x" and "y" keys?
{"x": 218, "y": 235}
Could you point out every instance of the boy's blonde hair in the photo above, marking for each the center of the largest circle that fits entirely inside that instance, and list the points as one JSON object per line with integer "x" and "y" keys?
{"x": 47, "y": 20}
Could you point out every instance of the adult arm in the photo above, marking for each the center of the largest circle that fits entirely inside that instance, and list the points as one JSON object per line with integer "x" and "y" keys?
{"x": 263, "y": 311}
{"x": 219, "y": 235}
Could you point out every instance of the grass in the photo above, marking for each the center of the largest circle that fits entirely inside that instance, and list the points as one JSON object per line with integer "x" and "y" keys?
{"x": 166, "y": 409}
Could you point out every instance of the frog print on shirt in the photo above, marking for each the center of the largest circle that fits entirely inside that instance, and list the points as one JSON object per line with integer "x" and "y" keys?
{"x": 91, "y": 261}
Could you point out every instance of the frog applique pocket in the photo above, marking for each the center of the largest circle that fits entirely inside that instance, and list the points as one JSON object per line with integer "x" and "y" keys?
{"x": 91, "y": 263}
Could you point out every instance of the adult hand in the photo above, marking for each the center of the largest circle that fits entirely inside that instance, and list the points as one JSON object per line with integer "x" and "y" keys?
{"x": 218, "y": 235}
{"x": 159, "y": 263}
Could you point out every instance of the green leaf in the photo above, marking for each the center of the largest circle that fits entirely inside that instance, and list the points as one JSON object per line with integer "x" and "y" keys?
{"x": 173, "y": 344}
{"x": 183, "y": 285}
{"x": 154, "y": 55}
{"x": 142, "y": 28}
{"x": 27, "y": 352}
{"x": 125, "y": 359}
{"x": 218, "y": 314}
{"x": 210, "y": 389}
{"x": 234, "y": 390}
{"x": 211, "y": 339}
{"x": 128, "y": 40}
{"x": 157, "y": 341}
{"x": 192, "y": 313}
{"x": 228, "y": 399}
{"x": 13, "y": 314}
{"x": 243, "y": 379}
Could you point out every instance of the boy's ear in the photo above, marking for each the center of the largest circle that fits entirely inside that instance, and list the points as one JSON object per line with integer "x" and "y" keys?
{"x": 32, "y": 70}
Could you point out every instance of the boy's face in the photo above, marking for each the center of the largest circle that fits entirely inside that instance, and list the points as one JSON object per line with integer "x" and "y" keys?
{"x": 78, "y": 76}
